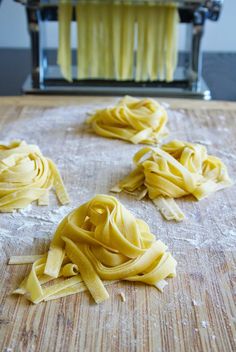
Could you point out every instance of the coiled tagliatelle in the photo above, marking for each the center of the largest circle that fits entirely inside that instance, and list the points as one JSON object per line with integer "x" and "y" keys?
{"x": 25, "y": 176}
{"x": 100, "y": 240}
{"x": 133, "y": 120}
{"x": 175, "y": 170}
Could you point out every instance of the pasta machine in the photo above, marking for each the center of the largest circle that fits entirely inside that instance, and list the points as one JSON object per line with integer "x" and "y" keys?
{"x": 187, "y": 82}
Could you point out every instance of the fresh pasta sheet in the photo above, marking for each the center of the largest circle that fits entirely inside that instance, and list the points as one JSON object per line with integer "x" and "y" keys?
{"x": 96, "y": 244}
{"x": 175, "y": 170}
{"x": 133, "y": 120}
{"x": 26, "y": 176}
{"x": 121, "y": 41}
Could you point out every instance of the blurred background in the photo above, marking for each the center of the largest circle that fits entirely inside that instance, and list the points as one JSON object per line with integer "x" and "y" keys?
{"x": 219, "y": 48}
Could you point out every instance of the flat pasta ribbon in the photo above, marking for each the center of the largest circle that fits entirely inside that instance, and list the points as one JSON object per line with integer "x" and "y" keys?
{"x": 121, "y": 40}
{"x": 100, "y": 240}
{"x": 175, "y": 170}
{"x": 65, "y": 11}
{"x": 133, "y": 120}
{"x": 26, "y": 175}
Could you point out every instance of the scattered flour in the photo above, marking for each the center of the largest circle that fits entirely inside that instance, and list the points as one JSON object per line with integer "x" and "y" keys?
{"x": 221, "y": 117}
{"x": 204, "y": 142}
{"x": 90, "y": 164}
{"x": 195, "y": 303}
{"x": 227, "y": 154}
{"x": 204, "y": 324}
{"x": 165, "y": 105}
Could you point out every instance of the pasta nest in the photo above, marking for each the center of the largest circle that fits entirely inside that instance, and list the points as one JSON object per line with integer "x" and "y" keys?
{"x": 133, "y": 120}
{"x": 25, "y": 176}
{"x": 175, "y": 170}
{"x": 106, "y": 242}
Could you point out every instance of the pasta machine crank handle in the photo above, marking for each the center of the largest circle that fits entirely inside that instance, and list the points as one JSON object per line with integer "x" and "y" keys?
{"x": 214, "y": 9}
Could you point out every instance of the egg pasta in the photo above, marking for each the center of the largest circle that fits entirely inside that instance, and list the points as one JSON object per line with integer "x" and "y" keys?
{"x": 120, "y": 40}
{"x": 26, "y": 176}
{"x": 175, "y": 170}
{"x": 133, "y": 120}
{"x": 96, "y": 244}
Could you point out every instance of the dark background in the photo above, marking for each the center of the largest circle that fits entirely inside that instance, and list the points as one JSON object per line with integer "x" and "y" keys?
{"x": 219, "y": 71}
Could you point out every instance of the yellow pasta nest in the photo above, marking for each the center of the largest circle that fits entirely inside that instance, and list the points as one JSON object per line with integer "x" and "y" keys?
{"x": 25, "y": 176}
{"x": 133, "y": 120}
{"x": 101, "y": 240}
{"x": 175, "y": 170}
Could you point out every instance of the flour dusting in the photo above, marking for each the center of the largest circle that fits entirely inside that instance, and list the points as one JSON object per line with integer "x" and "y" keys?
{"x": 90, "y": 164}
{"x": 204, "y": 324}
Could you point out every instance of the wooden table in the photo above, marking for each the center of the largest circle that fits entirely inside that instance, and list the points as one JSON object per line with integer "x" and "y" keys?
{"x": 196, "y": 312}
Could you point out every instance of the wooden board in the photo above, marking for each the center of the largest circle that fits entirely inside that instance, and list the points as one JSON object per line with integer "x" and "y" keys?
{"x": 196, "y": 312}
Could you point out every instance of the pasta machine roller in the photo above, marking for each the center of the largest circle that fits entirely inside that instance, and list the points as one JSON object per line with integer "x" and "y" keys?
{"x": 46, "y": 78}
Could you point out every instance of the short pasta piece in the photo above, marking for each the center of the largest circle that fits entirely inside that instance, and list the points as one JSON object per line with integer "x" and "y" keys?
{"x": 26, "y": 176}
{"x": 175, "y": 170}
{"x": 133, "y": 120}
{"x": 98, "y": 243}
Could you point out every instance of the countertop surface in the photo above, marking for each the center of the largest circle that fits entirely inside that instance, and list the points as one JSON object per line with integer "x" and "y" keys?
{"x": 196, "y": 312}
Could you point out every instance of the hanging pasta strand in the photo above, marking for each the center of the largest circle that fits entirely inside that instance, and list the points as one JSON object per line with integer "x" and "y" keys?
{"x": 81, "y": 13}
{"x": 170, "y": 43}
{"x": 90, "y": 42}
{"x": 146, "y": 48}
{"x": 154, "y": 18}
{"x": 107, "y": 40}
{"x": 93, "y": 28}
{"x": 64, "y": 49}
{"x": 141, "y": 42}
{"x": 101, "y": 54}
{"x": 175, "y": 38}
{"x": 116, "y": 38}
{"x": 161, "y": 42}
{"x": 127, "y": 50}
{"x": 152, "y": 43}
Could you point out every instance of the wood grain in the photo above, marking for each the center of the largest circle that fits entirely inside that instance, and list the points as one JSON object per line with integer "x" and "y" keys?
{"x": 197, "y": 310}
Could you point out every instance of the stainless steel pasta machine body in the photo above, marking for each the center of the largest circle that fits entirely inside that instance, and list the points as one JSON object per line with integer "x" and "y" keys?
{"x": 188, "y": 81}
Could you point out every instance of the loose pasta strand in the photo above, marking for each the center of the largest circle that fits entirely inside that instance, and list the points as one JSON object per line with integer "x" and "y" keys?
{"x": 169, "y": 208}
